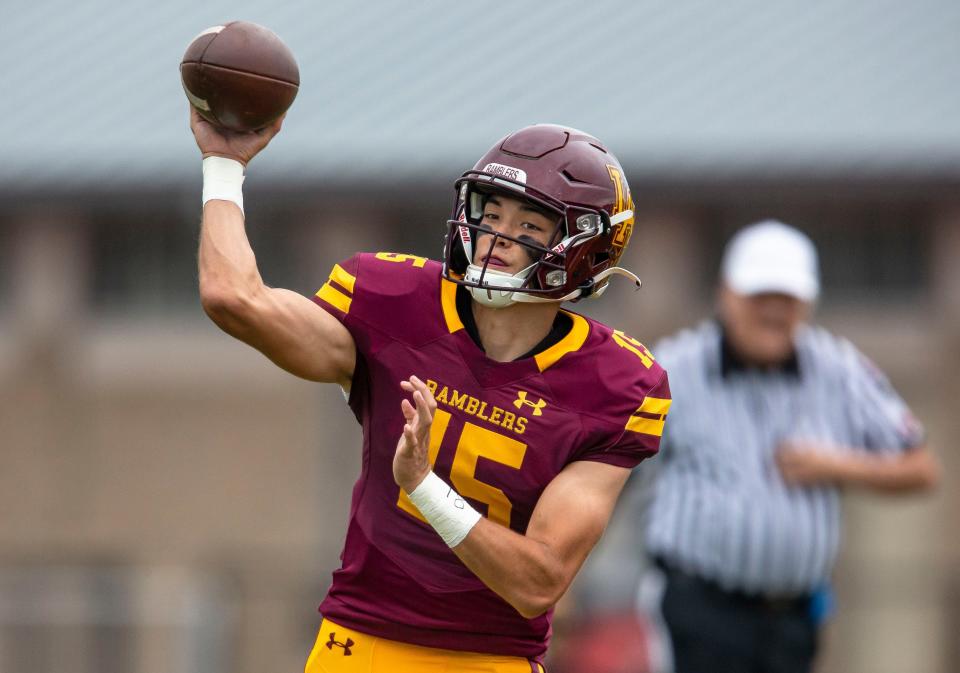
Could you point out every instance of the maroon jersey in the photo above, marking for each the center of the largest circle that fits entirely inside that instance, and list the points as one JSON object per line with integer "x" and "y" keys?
{"x": 501, "y": 433}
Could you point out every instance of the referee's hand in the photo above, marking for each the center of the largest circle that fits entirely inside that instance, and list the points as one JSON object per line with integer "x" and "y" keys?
{"x": 808, "y": 464}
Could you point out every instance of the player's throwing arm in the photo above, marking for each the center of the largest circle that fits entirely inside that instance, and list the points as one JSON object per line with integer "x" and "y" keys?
{"x": 283, "y": 325}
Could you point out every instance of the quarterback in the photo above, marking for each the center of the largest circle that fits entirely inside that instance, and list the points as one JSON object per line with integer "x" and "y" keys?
{"x": 498, "y": 427}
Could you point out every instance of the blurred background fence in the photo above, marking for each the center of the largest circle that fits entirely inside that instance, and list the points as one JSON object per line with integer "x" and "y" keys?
{"x": 170, "y": 501}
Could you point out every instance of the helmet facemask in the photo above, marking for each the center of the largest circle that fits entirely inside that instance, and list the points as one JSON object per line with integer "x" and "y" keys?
{"x": 546, "y": 278}
{"x": 566, "y": 173}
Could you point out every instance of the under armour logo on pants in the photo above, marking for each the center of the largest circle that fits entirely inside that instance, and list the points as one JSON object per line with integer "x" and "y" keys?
{"x": 346, "y": 646}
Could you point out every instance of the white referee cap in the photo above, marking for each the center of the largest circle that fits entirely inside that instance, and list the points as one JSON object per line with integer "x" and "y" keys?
{"x": 770, "y": 256}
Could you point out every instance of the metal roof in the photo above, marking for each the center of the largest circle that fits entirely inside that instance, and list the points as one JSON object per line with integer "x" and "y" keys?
{"x": 393, "y": 90}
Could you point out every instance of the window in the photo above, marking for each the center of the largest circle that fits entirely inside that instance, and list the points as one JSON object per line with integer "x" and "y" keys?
{"x": 868, "y": 252}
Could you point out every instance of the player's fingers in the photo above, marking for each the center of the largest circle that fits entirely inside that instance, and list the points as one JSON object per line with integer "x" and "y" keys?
{"x": 270, "y": 130}
{"x": 409, "y": 412}
{"x": 423, "y": 409}
{"x": 415, "y": 383}
{"x": 427, "y": 395}
{"x": 196, "y": 121}
{"x": 423, "y": 422}
{"x": 406, "y": 385}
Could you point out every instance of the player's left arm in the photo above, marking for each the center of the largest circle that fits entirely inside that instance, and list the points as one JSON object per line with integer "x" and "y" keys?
{"x": 531, "y": 571}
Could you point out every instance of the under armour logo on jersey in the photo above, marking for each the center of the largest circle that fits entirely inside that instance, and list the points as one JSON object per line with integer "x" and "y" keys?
{"x": 522, "y": 400}
{"x": 334, "y": 642}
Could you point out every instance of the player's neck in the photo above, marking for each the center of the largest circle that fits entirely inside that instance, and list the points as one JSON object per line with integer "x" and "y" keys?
{"x": 509, "y": 332}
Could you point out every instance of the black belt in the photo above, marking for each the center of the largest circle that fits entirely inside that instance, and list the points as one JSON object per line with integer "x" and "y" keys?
{"x": 780, "y": 604}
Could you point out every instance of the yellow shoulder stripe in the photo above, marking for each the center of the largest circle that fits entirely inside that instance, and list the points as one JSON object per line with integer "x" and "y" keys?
{"x": 657, "y": 406}
{"x": 654, "y": 406}
{"x": 333, "y": 294}
{"x": 334, "y": 297}
{"x": 573, "y": 341}
{"x": 342, "y": 278}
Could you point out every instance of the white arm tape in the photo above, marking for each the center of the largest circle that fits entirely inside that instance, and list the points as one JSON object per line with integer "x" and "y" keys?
{"x": 443, "y": 508}
{"x": 223, "y": 180}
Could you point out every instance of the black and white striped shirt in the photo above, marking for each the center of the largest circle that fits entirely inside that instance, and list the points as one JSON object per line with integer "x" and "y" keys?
{"x": 720, "y": 508}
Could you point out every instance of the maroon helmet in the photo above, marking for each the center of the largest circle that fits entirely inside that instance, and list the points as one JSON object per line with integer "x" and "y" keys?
{"x": 564, "y": 172}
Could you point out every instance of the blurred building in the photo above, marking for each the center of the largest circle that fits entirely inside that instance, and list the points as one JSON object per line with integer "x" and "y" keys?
{"x": 173, "y": 502}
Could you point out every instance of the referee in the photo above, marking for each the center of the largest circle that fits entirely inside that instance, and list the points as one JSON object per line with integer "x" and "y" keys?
{"x": 771, "y": 418}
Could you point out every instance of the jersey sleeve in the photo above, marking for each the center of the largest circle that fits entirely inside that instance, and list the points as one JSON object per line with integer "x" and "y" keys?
{"x": 337, "y": 296}
{"x": 377, "y": 296}
{"x": 639, "y": 437}
{"x": 883, "y": 420}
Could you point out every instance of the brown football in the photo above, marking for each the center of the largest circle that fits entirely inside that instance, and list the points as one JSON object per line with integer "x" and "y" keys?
{"x": 239, "y": 76}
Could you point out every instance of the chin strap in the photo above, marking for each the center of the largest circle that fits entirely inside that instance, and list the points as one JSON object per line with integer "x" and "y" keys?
{"x": 501, "y": 297}
{"x": 616, "y": 271}
{"x": 599, "y": 278}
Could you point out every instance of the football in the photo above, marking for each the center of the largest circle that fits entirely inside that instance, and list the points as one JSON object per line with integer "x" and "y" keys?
{"x": 239, "y": 76}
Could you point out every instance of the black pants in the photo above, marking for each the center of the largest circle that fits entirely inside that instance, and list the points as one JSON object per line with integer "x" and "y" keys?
{"x": 716, "y": 631}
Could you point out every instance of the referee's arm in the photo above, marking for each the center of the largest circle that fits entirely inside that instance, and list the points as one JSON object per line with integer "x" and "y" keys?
{"x": 807, "y": 464}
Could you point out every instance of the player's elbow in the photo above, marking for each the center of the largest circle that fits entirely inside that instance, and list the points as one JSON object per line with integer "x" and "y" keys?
{"x": 534, "y": 605}
{"x": 540, "y": 595}
{"x": 531, "y": 609}
{"x": 228, "y": 307}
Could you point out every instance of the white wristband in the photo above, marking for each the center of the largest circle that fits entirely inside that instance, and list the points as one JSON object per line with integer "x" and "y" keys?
{"x": 223, "y": 180}
{"x": 443, "y": 508}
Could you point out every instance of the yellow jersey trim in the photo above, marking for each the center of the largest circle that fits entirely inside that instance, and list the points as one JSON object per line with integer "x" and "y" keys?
{"x": 574, "y": 339}
{"x": 654, "y": 406}
{"x": 342, "y": 278}
{"x": 448, "y": 301}
{"x": 334, "y": 297}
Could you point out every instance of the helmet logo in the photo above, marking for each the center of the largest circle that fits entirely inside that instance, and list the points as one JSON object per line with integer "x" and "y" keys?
{"x": 623, "y": 202}
{"x": 508, "y": 172}
{"x": 623, "y": 234}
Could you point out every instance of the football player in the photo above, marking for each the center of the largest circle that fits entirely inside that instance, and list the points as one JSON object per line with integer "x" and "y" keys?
{"x": 498, "y": 427}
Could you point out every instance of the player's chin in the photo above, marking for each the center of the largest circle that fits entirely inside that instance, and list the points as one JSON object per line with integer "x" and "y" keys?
{"x": 500, "y": 268}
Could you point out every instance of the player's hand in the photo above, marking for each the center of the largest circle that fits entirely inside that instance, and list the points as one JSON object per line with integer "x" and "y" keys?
{"x": 411, "y": 463}
{"x": 807, "y": 464}
{"x": 218, "y": 142}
